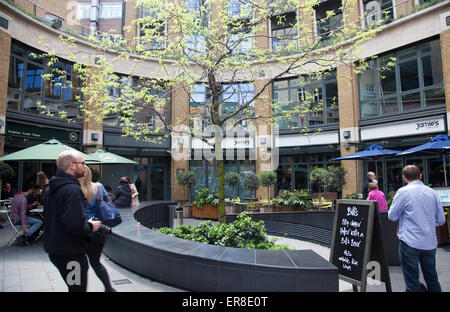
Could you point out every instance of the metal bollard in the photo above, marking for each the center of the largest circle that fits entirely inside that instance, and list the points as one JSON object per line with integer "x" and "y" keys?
{"x": 179, "y": 214}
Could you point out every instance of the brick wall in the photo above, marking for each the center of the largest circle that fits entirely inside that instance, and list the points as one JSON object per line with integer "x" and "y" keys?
{"x": 445, "y": 51}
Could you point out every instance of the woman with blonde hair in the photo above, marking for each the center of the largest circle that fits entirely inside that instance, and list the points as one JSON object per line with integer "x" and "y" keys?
{"x": 91, "y": 193}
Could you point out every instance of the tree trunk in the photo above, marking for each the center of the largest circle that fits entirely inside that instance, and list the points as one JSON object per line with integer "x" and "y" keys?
{"x": 220, "y": 179}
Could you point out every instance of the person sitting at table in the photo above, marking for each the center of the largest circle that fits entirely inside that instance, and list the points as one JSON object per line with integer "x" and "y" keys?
{"x": 7, "y": 191}
{"x": 19, "y": 208}
{"x": 123, "y": 194}
{"x": 42, "y": 181}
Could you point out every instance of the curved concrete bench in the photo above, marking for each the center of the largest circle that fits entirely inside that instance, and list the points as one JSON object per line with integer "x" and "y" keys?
{"x": 202, "y": 267}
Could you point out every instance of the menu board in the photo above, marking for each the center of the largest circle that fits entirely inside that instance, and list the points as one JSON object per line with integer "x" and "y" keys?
{"x": 352, "y": 234}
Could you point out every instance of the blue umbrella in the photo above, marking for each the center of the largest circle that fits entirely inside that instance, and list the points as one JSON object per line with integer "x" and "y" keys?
{"x": 439, "y": 145}
{"x": 373, "y": 152}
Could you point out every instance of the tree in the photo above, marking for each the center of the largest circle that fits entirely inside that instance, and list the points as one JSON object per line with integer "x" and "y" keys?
{"x": 187, "y": 180}
{"x": 337, "y": 177}
{"x": 251, "y": 182}
{"x": 321, "y": 176}
{"x": 215, "y": 45}
{"x": 232, "y": 179}
{"x": 268, "y": 179}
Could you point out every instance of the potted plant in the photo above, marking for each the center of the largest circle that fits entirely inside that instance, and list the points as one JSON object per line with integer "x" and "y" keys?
{"x": 206, "y": 204}
{"x": 187, "y": 180}
{"x": 322, "y": 178}
{"x": 233, "y": 179}
{"x": 293, "y": 201}
{"x": 337, "y": 178}
{"x": 251, "y": 183}
{"x": 267, "y": 179}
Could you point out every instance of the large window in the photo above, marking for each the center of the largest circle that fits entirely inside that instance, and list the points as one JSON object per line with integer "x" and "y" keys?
{"x": 403, "y": 81}
{"x": 151, "y": 30}
{"x": 304, "y": 102}
{"x": 58, "y": 95}
{"x": 284, "y": 31}
{"x": 327, "y": 22}
{"x": 111, "y": 10}
{"x": 376, "y": 10}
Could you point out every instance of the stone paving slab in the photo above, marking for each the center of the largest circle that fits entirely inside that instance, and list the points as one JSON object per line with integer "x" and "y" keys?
{"x": 28, "y": 269}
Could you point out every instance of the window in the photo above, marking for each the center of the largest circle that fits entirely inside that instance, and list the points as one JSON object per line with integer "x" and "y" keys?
{"x": 327, "y": 26}
{"x": 152, "y": 32}
{"x": 403, "y": 81}
{"x": 26, "y": 87}
{"x": 284, "y": 31}
{"x": 309, "y": 101}
{"x": 241, "y": 9}
{"x": 112, "y": 10}
{"x": 376, "y": 10}
{"x": 83, "y": 10}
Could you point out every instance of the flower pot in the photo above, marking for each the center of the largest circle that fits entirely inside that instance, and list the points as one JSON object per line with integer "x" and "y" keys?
{"x": 207, "y": 211}
{"x": 187, "y": 211}
{"x": 263, "y": 209}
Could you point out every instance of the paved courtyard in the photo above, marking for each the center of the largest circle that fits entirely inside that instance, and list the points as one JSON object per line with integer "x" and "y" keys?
{"x": 28, "y": 269}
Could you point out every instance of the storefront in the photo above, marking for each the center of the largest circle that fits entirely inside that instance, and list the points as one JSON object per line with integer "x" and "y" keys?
{"x": 19, "y": 135}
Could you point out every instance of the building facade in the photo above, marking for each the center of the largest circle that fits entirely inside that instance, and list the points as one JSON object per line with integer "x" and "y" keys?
{"x": 397, "y": 106}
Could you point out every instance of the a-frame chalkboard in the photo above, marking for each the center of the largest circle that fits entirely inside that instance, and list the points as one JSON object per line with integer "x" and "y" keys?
{"x": 357, "y": 245}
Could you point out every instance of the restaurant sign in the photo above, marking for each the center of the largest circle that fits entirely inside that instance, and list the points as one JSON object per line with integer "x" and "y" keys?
{"x": 42, "y": 133}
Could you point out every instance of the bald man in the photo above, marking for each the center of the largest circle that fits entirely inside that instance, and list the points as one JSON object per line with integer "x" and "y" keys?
{"x": 66, "y": 231}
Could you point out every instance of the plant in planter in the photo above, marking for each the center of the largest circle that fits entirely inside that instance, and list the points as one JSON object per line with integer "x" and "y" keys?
{"x": 251, "y": 183}
{"x": 268, "y": 178}
{"x": 320, "y": 176}
{"x": 232, "y": 179}
{"x": 337, "y": 178}
{"x": 297, "y": 200}
{"x": 6, "y": 171}
{"x": 206, "y": 204}
{"x": 187, "y": 180}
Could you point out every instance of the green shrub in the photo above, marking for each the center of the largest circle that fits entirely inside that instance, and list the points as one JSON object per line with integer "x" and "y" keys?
{"x": 187, "y": 180}
{"x": 251, "y": 182}
{"x": 232, "y": 179}
{"x": 298, "y": 199}
{"x": 205, "y": 196}
{"x": 242, "y": 233}
{"x": 267, "y": 178}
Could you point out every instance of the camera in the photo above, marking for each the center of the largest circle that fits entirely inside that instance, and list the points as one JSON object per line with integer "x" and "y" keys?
{"x": 103, "y": 228}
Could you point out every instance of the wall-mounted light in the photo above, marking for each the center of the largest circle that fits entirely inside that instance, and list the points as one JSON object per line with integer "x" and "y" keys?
{"x": 347, "y": 145}
{"x": 94, "y": 136}
{"x": 346, "y": 135}
{"x": 447, "y": 20}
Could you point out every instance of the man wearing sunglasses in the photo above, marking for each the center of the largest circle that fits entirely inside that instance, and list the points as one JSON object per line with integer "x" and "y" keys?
{"x": 66, "y": 233}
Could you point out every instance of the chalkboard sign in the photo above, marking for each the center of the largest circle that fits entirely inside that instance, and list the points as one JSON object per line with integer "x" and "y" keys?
{"x": 356, "y": 241}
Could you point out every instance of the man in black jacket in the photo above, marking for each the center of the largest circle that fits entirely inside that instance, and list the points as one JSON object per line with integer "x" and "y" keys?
{"x": 66, "y": 231}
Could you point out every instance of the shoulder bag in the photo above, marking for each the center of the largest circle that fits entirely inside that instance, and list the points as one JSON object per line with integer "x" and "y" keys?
{"x": 106, "y": 211}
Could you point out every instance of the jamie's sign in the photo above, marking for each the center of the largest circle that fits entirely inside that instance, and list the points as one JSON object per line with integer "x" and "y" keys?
{"x": 403, "y": 128}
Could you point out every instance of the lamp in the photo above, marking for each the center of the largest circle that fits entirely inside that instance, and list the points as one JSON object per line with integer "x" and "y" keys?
{"x": 346, "y": 135}
{"x": 347, "y": 145}
{"x": 94, "y": 136}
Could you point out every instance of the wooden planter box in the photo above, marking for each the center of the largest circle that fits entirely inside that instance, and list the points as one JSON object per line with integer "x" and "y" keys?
{"x": 286, "y": 208}
{"x": 206, "y": 212}
{"x": 263, "y": 209}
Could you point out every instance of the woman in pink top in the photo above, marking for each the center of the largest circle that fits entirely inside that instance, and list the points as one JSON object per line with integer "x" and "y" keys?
{"x": 376, "y": 194}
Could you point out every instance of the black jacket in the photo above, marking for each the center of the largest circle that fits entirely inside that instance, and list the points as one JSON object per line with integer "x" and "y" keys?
{"x": 66, "y": 231}
{"x": 122, "y": 199}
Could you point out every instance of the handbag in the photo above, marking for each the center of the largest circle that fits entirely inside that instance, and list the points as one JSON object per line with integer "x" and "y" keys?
{"x": 106, "y": 211}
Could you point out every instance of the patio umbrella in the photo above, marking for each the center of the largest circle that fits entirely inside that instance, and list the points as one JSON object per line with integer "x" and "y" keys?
{"x": 45, "y": 151}
{"x": 373, "y": 152}
{"x": 103, "y": 157}
{"x": 438, "y": 145}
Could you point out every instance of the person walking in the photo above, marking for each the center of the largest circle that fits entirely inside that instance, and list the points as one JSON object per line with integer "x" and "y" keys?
{"x": 91, "y": 193}
{"x": 418, "y": 209}
{"x": 66, "y": 231}
{"x": 376, "y": 194}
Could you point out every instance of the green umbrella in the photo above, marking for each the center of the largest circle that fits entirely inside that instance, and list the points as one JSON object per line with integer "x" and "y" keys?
{"x": 103, "y": 157}
{"x": 45, "y": 151}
